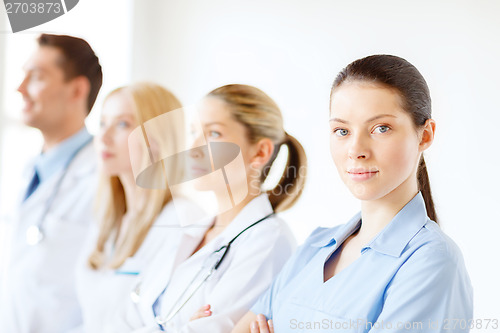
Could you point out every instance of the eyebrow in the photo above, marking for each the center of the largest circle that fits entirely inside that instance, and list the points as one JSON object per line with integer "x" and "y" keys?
{"x": 368, "y": 121}
{"x": 119, "y": 117}
{"x": 214, "y": 123}
{"x": 32, "y": 69}
{"x": 125, "y": 116}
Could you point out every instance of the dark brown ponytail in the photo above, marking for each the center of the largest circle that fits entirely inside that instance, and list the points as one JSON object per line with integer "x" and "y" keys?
{"x": 425, "y": 187}
{"x": 397, "y": 73}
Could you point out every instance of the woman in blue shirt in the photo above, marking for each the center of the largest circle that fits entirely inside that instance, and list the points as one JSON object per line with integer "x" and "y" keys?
{"x": 390, "y": 268}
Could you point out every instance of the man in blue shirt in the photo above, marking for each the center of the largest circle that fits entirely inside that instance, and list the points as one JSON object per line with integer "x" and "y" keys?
{"x": 62, "y": 80}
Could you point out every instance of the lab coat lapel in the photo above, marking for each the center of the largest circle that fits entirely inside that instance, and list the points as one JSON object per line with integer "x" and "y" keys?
{"x": 191, "y": 237}
{"x": 29, "y": 212}
{"x": 40, "y": 196}
{"x": 78, "y": 169}
{"x": 188, "y": 239}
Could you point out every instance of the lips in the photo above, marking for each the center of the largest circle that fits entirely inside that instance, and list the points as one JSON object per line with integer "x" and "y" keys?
{"x": 361, "y": 174}
{"x": 27, "y": 104}
{"x": 198, "y": 171}
{"x": 105, "y": 155}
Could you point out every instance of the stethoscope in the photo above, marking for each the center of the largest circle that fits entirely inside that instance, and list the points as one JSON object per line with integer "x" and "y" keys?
{"x": 35, "y": 233}
{"x": 210, "y": 265}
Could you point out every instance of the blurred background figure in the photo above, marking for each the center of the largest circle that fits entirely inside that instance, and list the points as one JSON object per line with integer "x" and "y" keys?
{"x": 227, "y": 261}
{"x": 62, "y": 80}
{"x": 132, "y": 222}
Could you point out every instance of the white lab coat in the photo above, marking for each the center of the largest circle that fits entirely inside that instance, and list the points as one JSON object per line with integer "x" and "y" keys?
{"x": 39, "y": 287}
{"x": 250, "y": 266}
{"x": 101, "y": 291}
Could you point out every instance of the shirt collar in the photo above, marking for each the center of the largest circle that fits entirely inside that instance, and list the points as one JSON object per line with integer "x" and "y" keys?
{"x": 392, "y": 240}
{"x": 56, "y": 159}
{"x": 332, "y": 236}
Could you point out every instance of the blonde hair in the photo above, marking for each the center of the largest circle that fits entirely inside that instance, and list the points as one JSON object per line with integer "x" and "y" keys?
{"x": 149, "y": 101}
{"x": 262, "y": 118}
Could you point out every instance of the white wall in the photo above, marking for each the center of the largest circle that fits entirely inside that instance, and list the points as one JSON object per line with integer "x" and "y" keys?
{"x": 293, "y": 49}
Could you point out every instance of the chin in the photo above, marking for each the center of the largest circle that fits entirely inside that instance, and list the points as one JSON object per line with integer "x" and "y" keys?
{"x": 204, "y": 185}
{"x": 201, "y": 185}
{"x": 109, "y": 171}
{"x": 29, "y": 121}
{"x": 362, "y": 191}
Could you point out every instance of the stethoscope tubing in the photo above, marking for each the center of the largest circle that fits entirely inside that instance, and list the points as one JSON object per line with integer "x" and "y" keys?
{"x": 161, "y": 321}
{"x": 48, "y": 205}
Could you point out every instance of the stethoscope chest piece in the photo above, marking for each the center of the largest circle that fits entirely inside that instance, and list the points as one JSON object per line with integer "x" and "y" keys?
{"x": 34, "y": 235}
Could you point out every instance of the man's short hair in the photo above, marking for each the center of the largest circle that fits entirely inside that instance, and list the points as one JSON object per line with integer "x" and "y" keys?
{"x": 78, "y": 59}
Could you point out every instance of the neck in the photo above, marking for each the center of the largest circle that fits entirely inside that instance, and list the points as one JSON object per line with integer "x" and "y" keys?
{"x": 225, "y": 218}
{"x": 130, "y": 188}
{"x": 376, "y": 214}
{"x": 53, "y": 138}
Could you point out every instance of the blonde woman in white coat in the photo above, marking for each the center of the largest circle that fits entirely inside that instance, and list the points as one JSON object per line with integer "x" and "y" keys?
{"x": 132, "y": 222}
{"x": 177, "y": 284}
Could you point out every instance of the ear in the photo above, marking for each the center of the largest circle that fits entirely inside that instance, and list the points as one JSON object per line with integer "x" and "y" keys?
{"x": 427, "y": 134}
{"x": 80, "y": 88}
{"x": 264, "y": 149}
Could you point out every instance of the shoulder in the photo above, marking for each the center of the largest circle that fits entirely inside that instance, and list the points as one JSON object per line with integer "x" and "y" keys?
{"x": 432, "y": 269}
{"x": 87, "y": 153}
{"x": 85, "y": 162}
{"x": 432, "y": 258}
{"x": 274, "y": 231}
{"x": 433, "y": 243}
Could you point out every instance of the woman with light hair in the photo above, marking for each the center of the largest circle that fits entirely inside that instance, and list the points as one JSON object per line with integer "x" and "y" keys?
{"x": 228, "y": 261}
{"x": 129, "y": 218}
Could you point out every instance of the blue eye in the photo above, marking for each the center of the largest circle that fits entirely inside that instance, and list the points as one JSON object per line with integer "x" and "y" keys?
{"x": 382, "y": 129}
{"x": 214, "y": 134}
{"x": 123, "y": 124}
{"x": 340, "y": 132}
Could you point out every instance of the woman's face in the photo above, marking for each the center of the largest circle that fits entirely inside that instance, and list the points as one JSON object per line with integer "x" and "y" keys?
{"x": 218, "y": 126}
{"x": 117, "y": 122}
{"x": 373, "y": 141}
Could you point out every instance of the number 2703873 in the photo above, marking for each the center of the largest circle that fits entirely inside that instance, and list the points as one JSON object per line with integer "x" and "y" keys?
{"x": 478, "y": 324}
{"x": 33, "y": 7}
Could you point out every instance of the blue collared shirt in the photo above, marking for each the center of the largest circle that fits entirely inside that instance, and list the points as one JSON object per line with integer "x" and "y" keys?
{"x": 410, "y": 277}
{"x": 56, "y": 159}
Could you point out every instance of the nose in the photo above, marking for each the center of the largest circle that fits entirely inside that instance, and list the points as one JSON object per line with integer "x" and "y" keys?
{"x": 359, "y": 149}
{"x": 196, "y": 153}
{"x": 22, "y": 87}
{"x": 105, "y": 135}
{"x": 197, "y": 146}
